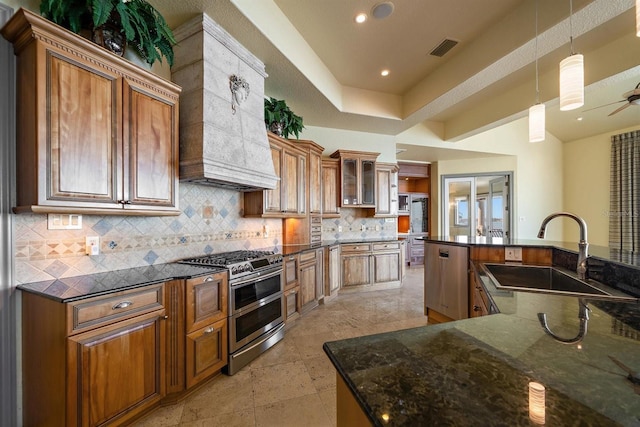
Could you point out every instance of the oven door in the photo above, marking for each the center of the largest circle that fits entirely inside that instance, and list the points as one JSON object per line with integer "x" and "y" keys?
{"x": 257, "y": 307}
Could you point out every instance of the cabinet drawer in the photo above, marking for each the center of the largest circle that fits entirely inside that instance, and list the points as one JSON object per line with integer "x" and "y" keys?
{"x": 391, "y": 246}
{"x": 359, "y": 247}
{"x": 206, "y": 300}
{"x": 316, "y": 238}
{"x": 307, "y": 257}
{"x": 101, "y": 311}
{"x": 316, "y": 220}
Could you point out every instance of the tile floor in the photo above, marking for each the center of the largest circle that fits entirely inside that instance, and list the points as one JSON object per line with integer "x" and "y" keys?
{"x": 293, "y": 383}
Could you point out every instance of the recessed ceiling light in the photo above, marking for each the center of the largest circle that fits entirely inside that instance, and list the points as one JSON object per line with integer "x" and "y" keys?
{"x": 384, "y": 73}
{"x": 382, "y": 10}
{"x": 360, "y": 18}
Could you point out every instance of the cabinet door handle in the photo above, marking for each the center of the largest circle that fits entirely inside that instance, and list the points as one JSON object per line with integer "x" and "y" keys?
{"x": 124, "y": 202}
{"x": 123, "y": 304}
{"x": 208, "y": 279}
{"x": 476, "y": 308}
{"x": 208, "y": 330}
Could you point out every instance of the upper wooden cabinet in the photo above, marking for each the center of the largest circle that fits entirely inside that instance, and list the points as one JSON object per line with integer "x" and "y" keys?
{"x": 288, "y": 199}
{"x": 330, "y": 188}
{"x": 96, "y": 133}
{"x": 386, "y": 190}
{"x": 357, "y": 178}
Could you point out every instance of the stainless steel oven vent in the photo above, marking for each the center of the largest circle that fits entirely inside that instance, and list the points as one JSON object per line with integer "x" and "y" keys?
{"x": 445, "y": 46}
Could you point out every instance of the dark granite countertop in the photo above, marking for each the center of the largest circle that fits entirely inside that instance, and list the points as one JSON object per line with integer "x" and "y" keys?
{"x": 600, "y": 252}
{"x": 476, "y": 371}
{"x": 74, "y": 288}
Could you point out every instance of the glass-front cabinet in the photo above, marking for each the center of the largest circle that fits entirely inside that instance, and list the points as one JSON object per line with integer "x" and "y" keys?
{"x": 358, "y": 178}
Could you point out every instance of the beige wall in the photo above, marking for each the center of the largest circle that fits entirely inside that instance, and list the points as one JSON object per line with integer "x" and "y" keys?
{"x": 586, "y": 184}
{"x": 334, "y": 139}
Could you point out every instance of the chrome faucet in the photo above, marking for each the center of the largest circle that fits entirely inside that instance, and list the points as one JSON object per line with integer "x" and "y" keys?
{"x": 581, "y": 269}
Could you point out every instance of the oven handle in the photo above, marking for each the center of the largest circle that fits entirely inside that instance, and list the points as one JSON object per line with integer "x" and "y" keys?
{"x": 265, "y": 338}
{"x": 257, "y": 276}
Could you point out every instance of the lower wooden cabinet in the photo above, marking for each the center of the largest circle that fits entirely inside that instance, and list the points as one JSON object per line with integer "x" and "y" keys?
{"x": 371, "y": 265}
{"x": 332, "y": 274}
{"x": 310, "y": 277}
{"x": 115, "y": 371}
{"x": 97, "y": 361}
{"x": 196, "y": 344}
{"x": 206, "y": 352}
{"x": 292, "y": 304}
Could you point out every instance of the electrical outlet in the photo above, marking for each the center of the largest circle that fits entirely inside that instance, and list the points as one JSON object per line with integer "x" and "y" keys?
{"x": 512, "y": 254}
{"x": 363, "y": 227}
{"x": 339, "y": 229}
{"x": 64, "y": 222}
{"x": 265, "y": 231}
{"x": 92, "y": 245}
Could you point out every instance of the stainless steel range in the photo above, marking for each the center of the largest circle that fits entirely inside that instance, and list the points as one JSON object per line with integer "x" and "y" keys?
{"x": 256, "y": 302}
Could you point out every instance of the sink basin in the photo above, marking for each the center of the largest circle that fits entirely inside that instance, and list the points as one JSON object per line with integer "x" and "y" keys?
{"x": 544, "y": 279}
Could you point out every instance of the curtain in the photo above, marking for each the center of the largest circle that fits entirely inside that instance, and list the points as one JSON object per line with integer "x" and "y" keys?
{"x": 624, "y": 208}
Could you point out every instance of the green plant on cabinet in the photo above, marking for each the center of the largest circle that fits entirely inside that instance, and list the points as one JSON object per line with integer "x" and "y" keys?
{"x": 280, "y": 119}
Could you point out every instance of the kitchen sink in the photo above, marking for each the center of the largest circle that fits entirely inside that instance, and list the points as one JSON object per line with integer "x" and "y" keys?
{"x": 533, "y": 278}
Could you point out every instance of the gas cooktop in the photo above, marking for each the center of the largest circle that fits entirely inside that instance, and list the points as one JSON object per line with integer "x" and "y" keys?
{"x": 239, "y": 263}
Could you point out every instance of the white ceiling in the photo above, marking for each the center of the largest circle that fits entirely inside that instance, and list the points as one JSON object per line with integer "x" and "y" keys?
{"x": 327, "y": 67}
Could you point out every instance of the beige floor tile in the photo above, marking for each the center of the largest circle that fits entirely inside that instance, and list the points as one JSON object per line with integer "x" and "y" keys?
{"x": 308, "y": 411}
{"x": 244, "y": 418}
{"x": 223, "y": 395}
{"x": 322, "y": 372}
{"x": 293, "y": 383}
{"x": 281, "y": 382}
{"x": 329, "y": 400}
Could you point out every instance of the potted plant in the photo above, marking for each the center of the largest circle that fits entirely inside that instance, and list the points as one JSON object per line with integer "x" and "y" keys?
{"x": 135, "y": 22}
{"x": 280, "y": 119}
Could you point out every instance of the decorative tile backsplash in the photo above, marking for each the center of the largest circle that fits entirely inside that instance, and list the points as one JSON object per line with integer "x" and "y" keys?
{"x": 211, "y": 221}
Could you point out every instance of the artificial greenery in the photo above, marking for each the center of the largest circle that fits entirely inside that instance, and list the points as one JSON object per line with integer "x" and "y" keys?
{"x": 277, "y": 111}
{"x": 144, "y": 28}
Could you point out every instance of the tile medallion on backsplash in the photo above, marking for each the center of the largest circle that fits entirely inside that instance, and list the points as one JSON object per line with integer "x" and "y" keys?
{"x": 176, "y": 225}
{"x": 208, "y": 249}
{"x": 102, "y": 227}
{"x": 183, "y": 239}
{"x": 189, "y": 211}
{"x": 150, "y": 257}
{"x": 112, "y": 245}
{"x": 207, "y": 211}
{"x": 56, "y": 268}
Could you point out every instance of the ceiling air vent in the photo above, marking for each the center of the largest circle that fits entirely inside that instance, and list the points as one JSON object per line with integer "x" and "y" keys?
{"x": 445, "y": 46}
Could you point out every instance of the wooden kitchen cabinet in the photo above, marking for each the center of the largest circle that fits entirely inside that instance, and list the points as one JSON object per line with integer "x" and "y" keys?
{"x": 314, "y": 174}
{"x": 292, "y": 304}
{"x": 105, "y": 136}
{"x": 311, "y": 279}
{"x": 291, "y": 271}
{"x": 386, "y": 190}
{"x": 196, "y": 346}
{"x": 368, "y": 266}
{"x": 331, "y": 188}
{"x": 288, "y": 199}
{"x": 95, "y": 361}
{"x": 357, "y": 178}
{"x": 332, "y": 275}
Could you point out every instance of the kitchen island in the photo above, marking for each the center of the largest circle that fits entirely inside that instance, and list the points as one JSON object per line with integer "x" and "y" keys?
{"x": 477, "y": 371}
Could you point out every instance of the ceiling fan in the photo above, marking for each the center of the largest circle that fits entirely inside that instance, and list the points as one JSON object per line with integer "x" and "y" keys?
{"x": 630, "y": 98}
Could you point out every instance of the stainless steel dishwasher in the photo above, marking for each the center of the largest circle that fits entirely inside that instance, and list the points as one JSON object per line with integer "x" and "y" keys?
{"x": 446, "y": 287}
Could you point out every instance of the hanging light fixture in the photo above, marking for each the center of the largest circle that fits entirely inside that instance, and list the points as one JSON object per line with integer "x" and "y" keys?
{"x": 571, "y": 75}
{"x": 638, "y": 18}
{"x": 537, "y": 111}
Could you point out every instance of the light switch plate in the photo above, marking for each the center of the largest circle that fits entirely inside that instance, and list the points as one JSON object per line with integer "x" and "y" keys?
{"x": 512, "y": 253}
{"x": 92, "y": 245}
{"x": 64, "y": 222}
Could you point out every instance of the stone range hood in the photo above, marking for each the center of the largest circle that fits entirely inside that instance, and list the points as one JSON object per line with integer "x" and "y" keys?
{"x": 223, "y": 139}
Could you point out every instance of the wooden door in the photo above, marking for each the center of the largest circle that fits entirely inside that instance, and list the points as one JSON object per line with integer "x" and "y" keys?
{"x": 315, "y": 182}
{"x": 273, "y": 198}
{"x": 290, "y": 271}
{"x": 206, "y": 352}
{"x": 356, "y": 269}
{"x": 319, "y": 273}
{"x": 117, "y": 371}
{"x": 308, "y": 277}
{"x": 293, "y": 182}
{"x": 206, "y": 300}
{"x": 292, "y": 303}
{"x": 80, "y": 159}
{"x": 334, "y": 269}
{"x": 150, "y": 149}
{"x": 387, "y": 267}
{"x": 330, "y": 188}
{"x": 383, "y": 191}
{"x": 175, "y": 326}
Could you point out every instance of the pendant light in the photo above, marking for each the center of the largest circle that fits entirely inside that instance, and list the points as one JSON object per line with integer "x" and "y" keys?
{"x": 537, "y": 111}
{"x": 571, "y": 75}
